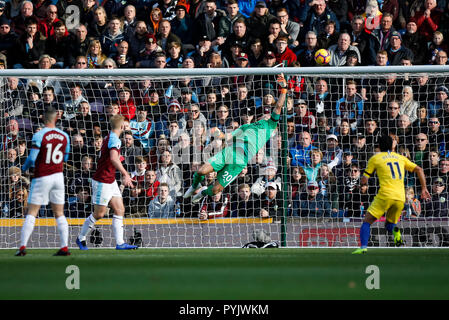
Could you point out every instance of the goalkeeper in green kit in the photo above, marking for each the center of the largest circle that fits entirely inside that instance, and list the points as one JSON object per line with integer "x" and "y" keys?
{"x": 243, "y": 144}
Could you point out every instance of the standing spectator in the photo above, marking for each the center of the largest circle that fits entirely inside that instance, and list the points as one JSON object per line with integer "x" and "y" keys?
{"x": 8, "y": 37}
{"x": 359, "y": 37}
{"x": 163, "y": 205}
{"x": 143, "y": 129}
{"x": 207, "y": 22}
{"x": 129, "y": 21}
{"x": 137, "y": 40}
{"x": 350, "y": 106}
{"x": 126, "y": 104}
{"x": 59, "y": 46}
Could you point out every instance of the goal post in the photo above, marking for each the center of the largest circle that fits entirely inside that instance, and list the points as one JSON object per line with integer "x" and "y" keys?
{"x": 302, "y": 188}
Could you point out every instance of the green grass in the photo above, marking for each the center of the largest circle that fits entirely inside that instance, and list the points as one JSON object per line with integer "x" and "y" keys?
{"x": 226, "y": 274}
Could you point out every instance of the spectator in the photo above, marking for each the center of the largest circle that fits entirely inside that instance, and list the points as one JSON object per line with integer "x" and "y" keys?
{"x": 397, "y": 51}
{"x": 96, "y": 29}
{"x": 306, "y": 55}
{"x": 340, "y": 50}
{"x": 350, "y": 106}
{"x": 259, "y": 20}
{"x": 18, "y": 24}
{"x": 95, "y": 55}
{"x": 143, "y": 129}
{"x": 413, "y": 40}
{"x": 270, "y": 203}
{"x": 362, "y": 152}
{"x": 182, "y": 25}
{"x": 283, "y": 52}
{"x": 392, "y": 117}
{"x": 312, "y": 204}
{"x": 46, "y": 26}
{"x": 148, "y": 55}
{"x": 151, "y": 185}
{"x": 328, "y": 37}
{"x": 428, "y": 19}
{"x": 81, "y": 207}
{"x": 112, "y": 37}
{"x": 163, "y": 205}
{"x": 412, "y": 207}
{"x": 226, "y": 22}
{"x": 82, "y": 177}
{"x": 438, "y": 204}
{"x": 332, "y": 153}
{"x": 301, "y": 154}
{"x": 436, "y": 135}
{"x": 409, "y": 106}
{"x": 268, "y": 174}
{"x": 207, "y": 22}
{"x": 130, "y": 151}
{"x": 327, "y": 183}
{"x": 318, "y": 16}
{"x": 243, "y": 202}
{"x": 288, "y": 26}
{"x": 441, "y": 58}
{"x": 30, "y": 46}
{"x": 129, "y": 21}
{"x": 169, "y": 173}
{"x": 380, "y": 38}
{"x": 215, "y": 206}
{"x": 359, "y": 37}
{"x": 8, "y": 37}
{"x": 165, "y": 35}
{"x": 84, "y": 122}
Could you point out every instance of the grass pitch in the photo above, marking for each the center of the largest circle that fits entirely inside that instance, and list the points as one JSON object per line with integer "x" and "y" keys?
{"x": 226, "y": 274}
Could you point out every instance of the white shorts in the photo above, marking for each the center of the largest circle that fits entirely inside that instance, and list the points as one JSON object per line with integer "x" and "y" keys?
{"x": 102, "y": 193}
{"x": 47, "y": 189}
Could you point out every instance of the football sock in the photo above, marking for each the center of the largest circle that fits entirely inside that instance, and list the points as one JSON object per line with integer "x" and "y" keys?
{"x": 390, "y": 226}
{"x": 117, "y": 227}
{"x": 88, "y": 224}
{"x": 197, "y": 179}
{"x": 208, "y": 191}
{"x": 63, "y": 228}
{"x": 365, "y": 232}
{"x": 27, "y": 229}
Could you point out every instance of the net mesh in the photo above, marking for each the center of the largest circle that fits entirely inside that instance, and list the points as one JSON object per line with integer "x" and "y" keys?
{"x": 332, "y": 122}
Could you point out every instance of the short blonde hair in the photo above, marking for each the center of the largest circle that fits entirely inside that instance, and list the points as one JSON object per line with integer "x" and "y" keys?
{"x": 116, "y": 121}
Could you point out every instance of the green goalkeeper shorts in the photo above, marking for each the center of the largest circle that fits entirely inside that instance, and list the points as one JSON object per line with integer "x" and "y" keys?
{"x": 228, "y": 164}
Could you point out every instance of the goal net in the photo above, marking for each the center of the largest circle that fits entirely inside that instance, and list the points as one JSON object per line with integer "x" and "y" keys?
{"x": 302, "y": 188}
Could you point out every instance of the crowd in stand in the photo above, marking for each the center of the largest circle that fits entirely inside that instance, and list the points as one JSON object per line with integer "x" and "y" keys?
{"x": 332, "y": 123}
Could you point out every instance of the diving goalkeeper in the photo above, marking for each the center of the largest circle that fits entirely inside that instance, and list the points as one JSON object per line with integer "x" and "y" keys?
{"x": 243, "y": 144}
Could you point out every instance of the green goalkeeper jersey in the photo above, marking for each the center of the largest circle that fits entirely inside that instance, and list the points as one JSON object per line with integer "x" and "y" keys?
{"x": 253, "y": 136}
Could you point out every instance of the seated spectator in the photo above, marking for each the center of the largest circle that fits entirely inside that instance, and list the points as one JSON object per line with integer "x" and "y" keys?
{"x": 268, "y": 174}
{"x": 137, "y": 40}
{"x": 126, "y": 103}
{"x": 243, "y": 202}
{"x": 438, "y": 204}
{"x": 288, "y": 26}
{"x": 311, "y": 170}
{"x": 83, "y": 176}
{"x": 112, "y": 37}
{"x": 332, "y": 155}
{"x": 16, "y": 204}
{"x": 216, "y": 206}
{"x": 327, "y": 183}
{"x": 306, "y": 54}
{"x": 349, "y": 185}
{"x": 163, "y": 205}
{"x": 135, "y": 201}
{"x": 329, "y": 36}
{"x": 283, "y": 52}
{"x": 312, "y": 204}
{"x": 358, "y": 202}
{"x": 301, "y": 153}
{"x": 396, "y": 50}
{"x": 122, "y": 59}
{"x": 412, "y": 207}
{"x": 150, "y": 185}
{"x": 82, "y": 206}
{"x": 169, "y": 173}
{"x": 270, "y": 202}
{"x": 413, "y": 40}
{"x": 435, "y": 106}
{"x": 182, "y": 25}
{"x": 95, "y": 55}
{"x": 138, "y": 175}
{"x": 47, "y": 26}
{"x": 165, "y": 36}
{"x": 30, "y": 46}
{"x": 350, "y": 106}
{"x": 96, "y": 29}
{"x": 428, "y": 18}
{"x": 18, "y": 23}
{"x": 143, "y": 129}
{"x": 130, "y": 151}
{"x": 225, "y": 24}
{"x": 8, "y": 37}
{"x": 408, "y": 105}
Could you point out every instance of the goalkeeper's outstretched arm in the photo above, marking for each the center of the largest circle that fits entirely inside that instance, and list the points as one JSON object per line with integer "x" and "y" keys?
{"x": 282, "y": 83}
